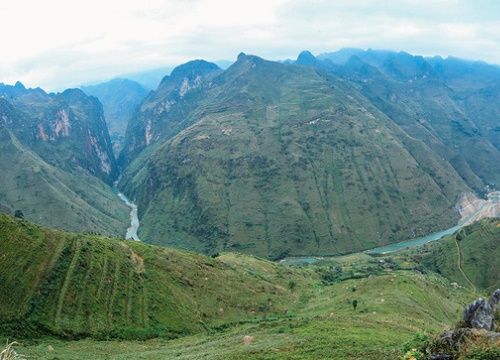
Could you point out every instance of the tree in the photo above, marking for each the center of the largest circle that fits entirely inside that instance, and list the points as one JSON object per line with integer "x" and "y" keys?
{"x": 355, "y": 304}
{"x": 19, "y": 214}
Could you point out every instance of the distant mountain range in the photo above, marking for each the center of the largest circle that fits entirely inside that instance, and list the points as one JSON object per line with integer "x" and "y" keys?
{"x": 329, "y": 154}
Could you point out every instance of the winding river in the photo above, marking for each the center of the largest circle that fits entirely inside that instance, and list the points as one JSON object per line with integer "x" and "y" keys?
{"x": 134, "y": 219}
{"x": 475, "y": 210}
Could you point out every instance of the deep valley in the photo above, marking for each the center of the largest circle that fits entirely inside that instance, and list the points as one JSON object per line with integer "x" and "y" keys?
{"x": 229, "y": 171}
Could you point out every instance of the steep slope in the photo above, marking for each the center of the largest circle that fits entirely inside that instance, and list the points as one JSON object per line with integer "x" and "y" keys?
{"x": 67, "y": 129}
{"x": 56, "y": 160}
{"x": 449, "y": 104}
{"x": 76, "y": 286}
{"x": 119, "y": 98}
{"x": 287, "y": 160}
{"x": 168, "y": 110}
{"x": 471, "y": 255}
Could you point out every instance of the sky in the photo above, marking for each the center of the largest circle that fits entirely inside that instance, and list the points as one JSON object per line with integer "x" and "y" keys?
{"x": 57, "y": 44}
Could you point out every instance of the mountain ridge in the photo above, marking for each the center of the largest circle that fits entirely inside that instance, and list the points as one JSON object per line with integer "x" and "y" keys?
{"x": 242, "y": 130}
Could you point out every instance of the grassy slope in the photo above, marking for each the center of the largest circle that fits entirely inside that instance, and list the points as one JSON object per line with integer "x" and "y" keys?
{"x": 75, "y": 285}
{"x": 49, "y": 196}
{"x": 479, "y": 245}
{"x": 290, "y": 161}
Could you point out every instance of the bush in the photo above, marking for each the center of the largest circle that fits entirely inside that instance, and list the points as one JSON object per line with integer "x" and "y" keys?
{"x": 417, "y": 344}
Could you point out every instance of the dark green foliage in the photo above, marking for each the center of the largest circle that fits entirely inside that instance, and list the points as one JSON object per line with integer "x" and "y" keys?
{"x": 19, "y": 214}
{"x": 419, "y": 342}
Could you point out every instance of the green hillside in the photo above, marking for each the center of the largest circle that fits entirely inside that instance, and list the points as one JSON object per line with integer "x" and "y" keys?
{"x": 75, "y": 285}
{"x": 61, "y": 287}
{"x": 479, "y": 263}
{"x": 49, "y": 196}
{"x": 287, "y": 160}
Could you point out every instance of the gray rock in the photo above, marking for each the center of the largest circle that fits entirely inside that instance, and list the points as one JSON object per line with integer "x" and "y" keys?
{"x": 441, "y": 357}
{"x": 481, "y": 313}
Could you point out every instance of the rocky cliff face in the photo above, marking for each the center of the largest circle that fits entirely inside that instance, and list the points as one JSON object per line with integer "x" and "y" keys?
{"x": 66, "y": 129}
{"x": 56, "y": 164}
{"x": 166, "y": 111}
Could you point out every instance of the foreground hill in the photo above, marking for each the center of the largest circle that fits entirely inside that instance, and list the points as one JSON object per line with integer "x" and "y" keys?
{"x": 278, "y": 160}
{"x": 57, "y": 163}
{"x": 74, "y": 286}
{"x": 470, "y": 257}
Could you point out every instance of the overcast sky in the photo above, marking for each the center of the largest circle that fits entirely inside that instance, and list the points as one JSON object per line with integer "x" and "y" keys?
{"x": 56, "y": 44}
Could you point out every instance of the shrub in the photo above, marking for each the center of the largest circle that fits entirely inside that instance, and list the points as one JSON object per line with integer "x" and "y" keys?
{"x": 417, "y": 344}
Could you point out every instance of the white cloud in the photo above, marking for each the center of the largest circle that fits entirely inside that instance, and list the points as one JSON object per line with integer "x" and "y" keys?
{"x": 60, "y": 43}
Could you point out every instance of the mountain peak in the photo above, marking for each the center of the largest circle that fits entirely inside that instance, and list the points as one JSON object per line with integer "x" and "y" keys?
{"x": 306, "y": 55}
{"x": 307, "y": 59}
{"x": 194, "y": 67}
{"x": 19, "y": 86}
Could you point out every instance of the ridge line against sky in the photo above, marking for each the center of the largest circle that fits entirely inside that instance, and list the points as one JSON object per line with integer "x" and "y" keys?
{"x": 56, "y": 44}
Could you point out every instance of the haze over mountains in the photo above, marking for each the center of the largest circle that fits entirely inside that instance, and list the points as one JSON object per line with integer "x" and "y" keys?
{"x": 335, "y": 153}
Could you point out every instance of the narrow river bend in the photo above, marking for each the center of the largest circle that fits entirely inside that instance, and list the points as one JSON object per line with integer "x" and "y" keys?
{"x": 134, "y": 219}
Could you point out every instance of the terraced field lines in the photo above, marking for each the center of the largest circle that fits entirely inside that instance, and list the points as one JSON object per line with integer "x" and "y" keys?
{"x": 67, "y": 281}
{"x": 114, "y": 286}
{"x": 85, "y": 282}
{"x": 104, "y": 271}
{"x": 130, "y": 295}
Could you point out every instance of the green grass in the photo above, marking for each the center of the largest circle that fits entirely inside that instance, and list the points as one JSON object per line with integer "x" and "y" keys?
{"x": 90, "y": 297}
{"x": 478, "y": 245}
{"x": 323, "y": 325}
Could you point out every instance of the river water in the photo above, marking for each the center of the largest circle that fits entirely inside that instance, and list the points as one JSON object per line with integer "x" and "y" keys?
{"x": 482, "y": 211}
{"x": 134, "y": 219}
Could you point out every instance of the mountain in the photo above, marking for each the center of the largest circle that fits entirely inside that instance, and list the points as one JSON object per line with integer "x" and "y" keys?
{"x": 66, "y": 129}
{"x": 449, "y": 104}
{"x": 58, "y": 163}
{"x": 173, "y": 99}
{"x": 279, "y": 160}
{"x": 119, "y": 98}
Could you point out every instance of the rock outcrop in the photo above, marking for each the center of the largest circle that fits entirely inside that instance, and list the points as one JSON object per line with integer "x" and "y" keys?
{"x": 479, "y": 319}
{"x": 481, "y": 313}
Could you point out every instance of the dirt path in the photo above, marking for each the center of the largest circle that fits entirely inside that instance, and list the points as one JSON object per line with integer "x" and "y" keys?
{"x": 460, "y": 265}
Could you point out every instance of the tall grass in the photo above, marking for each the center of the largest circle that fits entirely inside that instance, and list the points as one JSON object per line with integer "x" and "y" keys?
{"x": 9, "y": 353}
